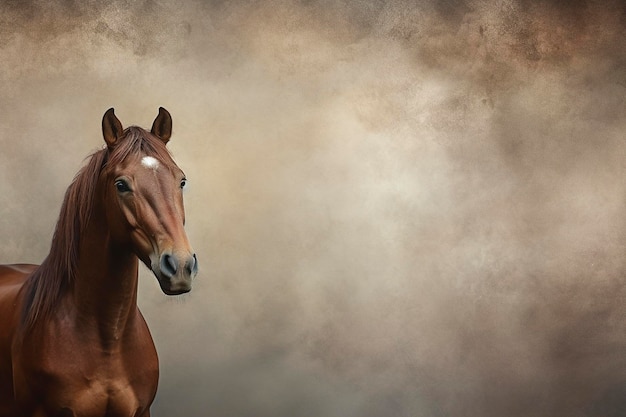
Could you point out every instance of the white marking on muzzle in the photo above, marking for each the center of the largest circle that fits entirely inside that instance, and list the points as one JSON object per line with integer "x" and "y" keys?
{"x": 150, "y": 162}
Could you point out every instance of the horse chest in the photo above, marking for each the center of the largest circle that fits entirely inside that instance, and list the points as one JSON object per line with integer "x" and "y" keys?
{"x": 103, "y": 391}
{"x": 92, "y": 383}
{"x": 106, "y": 398}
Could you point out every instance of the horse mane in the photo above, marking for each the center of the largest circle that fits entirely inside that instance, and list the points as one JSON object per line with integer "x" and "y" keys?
{"x": 45, "y": 286}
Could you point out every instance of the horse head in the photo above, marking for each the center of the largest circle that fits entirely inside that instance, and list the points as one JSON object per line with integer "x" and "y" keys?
{"x": 143, "y": 200}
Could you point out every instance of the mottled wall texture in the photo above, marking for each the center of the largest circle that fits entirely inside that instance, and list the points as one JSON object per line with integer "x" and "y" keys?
{"x": 400, "y": 208}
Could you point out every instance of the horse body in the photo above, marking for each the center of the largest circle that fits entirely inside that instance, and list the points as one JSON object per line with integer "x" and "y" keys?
{"x": 72, "y": 339}
{"x": 72, "y": 363}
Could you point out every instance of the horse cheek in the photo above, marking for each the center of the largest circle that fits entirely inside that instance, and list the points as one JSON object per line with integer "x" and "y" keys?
{"x": 122, "y": 218}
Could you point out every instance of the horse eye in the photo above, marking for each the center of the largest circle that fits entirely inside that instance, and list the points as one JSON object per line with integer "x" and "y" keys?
{"x": 121, "y": 186}
{"x": 183, "y": 182}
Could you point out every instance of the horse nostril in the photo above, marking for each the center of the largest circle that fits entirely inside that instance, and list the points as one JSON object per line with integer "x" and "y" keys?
{"x": 192, "y": 265}
{"x": 169, "y": 265}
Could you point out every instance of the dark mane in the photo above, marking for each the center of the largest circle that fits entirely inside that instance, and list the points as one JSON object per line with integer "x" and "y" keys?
{"x": 57, "y": 272}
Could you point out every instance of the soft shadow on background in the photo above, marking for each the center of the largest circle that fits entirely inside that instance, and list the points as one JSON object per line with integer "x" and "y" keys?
{"x": 399, "y": 208}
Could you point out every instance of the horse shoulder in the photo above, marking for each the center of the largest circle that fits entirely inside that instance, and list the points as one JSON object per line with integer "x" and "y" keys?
{"x": 140, "y": 355}
{"x": 12, "y": 278}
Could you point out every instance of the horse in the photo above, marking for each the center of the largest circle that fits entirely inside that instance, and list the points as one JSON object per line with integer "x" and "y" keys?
{"x": 72, "y": 339}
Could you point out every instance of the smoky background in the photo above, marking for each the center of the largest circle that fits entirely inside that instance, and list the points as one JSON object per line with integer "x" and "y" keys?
{"x": 399, "y": 208}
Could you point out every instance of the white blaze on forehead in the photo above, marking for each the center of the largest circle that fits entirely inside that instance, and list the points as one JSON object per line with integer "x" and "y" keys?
{"x": 150, "y": 162}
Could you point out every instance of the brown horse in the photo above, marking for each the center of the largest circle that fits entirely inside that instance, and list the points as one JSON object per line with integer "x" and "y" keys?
{"x": 72, "y": 340}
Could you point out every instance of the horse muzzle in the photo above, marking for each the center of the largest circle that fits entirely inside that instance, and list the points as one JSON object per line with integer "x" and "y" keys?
{"x": 175, "y": 271}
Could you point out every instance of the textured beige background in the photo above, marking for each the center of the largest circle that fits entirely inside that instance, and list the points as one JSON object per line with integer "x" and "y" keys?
{"x": 399, "y": 208}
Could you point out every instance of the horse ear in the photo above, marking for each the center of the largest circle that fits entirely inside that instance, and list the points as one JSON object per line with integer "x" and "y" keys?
{"x": 162, "y": 125}
{"x": 111, "y": 128}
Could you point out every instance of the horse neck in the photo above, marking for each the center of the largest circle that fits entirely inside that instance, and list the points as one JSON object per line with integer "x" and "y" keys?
{"x": 104, "y": 292}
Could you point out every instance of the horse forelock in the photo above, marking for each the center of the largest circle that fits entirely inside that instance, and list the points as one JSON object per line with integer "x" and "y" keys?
{"x": 140, "y": 143}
